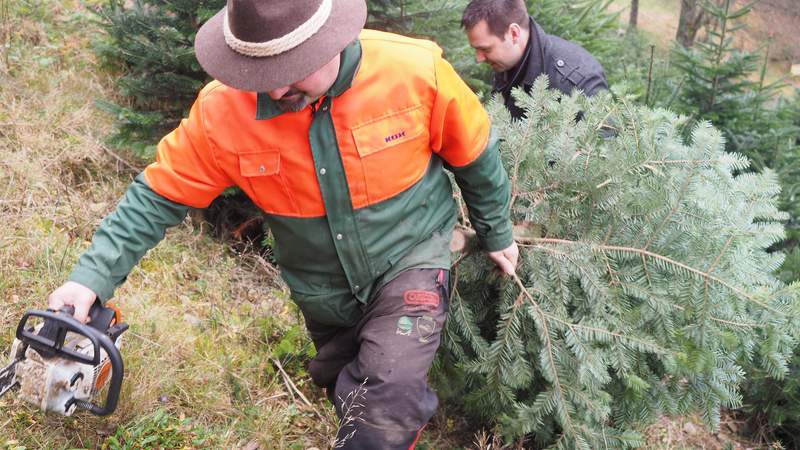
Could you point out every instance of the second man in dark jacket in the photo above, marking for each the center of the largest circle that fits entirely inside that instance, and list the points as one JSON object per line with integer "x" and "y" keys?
{"x": 508, "y": 39}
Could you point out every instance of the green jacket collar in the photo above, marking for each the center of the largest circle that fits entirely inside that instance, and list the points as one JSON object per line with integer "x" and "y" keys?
{"x": 348, "y": 66}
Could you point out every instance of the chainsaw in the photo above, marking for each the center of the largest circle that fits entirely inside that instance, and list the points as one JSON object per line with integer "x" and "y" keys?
{"x": 60, "y": 364}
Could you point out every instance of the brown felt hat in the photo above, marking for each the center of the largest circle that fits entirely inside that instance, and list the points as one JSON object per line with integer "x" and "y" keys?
{"x": 268, "y": 44}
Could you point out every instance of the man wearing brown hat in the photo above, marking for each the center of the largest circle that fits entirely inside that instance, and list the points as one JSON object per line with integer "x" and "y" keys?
{"x": 340, "y": 135}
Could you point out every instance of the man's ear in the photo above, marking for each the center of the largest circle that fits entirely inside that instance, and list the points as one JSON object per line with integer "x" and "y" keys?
{"x": 514, "y": 33}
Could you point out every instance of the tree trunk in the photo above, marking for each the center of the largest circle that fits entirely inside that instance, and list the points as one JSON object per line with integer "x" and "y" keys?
{"x": 691, "y": 20}
{"x": 634, "y": 18}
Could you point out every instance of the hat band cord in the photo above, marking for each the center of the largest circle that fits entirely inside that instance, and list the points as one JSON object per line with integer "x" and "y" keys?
{"x": 282, "y": 44}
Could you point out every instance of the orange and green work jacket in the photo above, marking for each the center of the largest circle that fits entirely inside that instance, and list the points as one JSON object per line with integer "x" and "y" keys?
{"x": 352, "y": 186}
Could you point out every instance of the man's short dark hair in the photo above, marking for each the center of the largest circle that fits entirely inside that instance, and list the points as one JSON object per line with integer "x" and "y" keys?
{"x": 498, "y": 14}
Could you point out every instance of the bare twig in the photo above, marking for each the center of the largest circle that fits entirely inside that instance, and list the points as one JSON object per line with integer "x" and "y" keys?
{"x": 650, "y": 75}
{"x": 119, "y": 158}
{"x": 271, "y": 397}
{"x": 291, "y": 383}
{"x": 267, "y": 266}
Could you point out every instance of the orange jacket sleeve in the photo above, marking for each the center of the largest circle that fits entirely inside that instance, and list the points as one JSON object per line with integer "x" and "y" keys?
{"x": 459, "y": 127}
{"x": 186, "y": 170}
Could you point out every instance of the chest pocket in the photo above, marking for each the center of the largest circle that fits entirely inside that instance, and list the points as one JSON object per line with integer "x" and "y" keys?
{"x": 260, "y": 164}
{"x": 266, "y": 183}
{"x": 394, "y": 151}
{"x": 390, "y": 131}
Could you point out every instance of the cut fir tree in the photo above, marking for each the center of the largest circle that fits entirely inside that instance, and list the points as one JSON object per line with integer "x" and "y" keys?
{"x": 644, "y": 286}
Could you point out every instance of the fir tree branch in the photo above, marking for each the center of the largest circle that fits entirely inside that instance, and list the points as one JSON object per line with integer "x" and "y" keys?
{"x": 727, "y": 322}
{"x": 730, "y": 240}
{"x": 681, "y": 161}
{"x": 633, "y": 125}
{"x": 644, "y": 266}
{"x": 575, "y": 326}
{"x": 477, "y": 341}
{"x": 549, "y": 344}
{"x": 544, "y": 317}
{"x": 678, "y": 201}
{"x": 600, "y": 125}
{"x": 611, "y": 273}
{"x": 737, "y": 324}
{"x": 460, "y": 258}
{"x": 711, "y": 268}
{"x": 515, "y": 176}
{"x": 649, "y": 254}
{"x": 523, "y": 241}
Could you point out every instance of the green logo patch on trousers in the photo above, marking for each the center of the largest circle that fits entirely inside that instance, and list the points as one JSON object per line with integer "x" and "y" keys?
{"x": 404, "y": 326}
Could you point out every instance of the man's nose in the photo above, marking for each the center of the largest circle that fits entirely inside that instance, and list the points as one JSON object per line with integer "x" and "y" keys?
{"x": 276, "y": 94}
{"x": 479, "y": 57}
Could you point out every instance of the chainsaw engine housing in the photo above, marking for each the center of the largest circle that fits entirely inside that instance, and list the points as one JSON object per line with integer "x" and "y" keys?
{"x": 62, "y": 364}
{"x": 55, "y": 384}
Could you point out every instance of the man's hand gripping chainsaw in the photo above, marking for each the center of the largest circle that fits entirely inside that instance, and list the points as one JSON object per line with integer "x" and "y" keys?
{"x": 62, "y": 364}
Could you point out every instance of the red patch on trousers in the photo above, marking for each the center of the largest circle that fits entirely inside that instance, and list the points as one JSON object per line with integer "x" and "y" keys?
{"x": 421, "y": 299}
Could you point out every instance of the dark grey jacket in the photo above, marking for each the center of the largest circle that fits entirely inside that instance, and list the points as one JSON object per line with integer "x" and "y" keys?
{"x": 567, "y": 65}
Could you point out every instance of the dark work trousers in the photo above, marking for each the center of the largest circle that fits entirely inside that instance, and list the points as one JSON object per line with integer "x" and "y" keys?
{"x": 377, "y": 371}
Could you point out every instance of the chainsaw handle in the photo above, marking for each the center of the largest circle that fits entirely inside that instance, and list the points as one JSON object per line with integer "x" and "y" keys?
{"x": 101, "y": 317}
{"x": 62, "y": 323}
{"x": 115, "y": 385}
{"x": 53, "y": 344}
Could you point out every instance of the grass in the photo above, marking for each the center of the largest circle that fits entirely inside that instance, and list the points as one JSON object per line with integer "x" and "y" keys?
{"x": 206, "y": 325}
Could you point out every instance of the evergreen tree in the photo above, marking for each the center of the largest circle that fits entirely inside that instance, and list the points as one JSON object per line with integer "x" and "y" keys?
{"x": 644, "y": 286}
{"x": 771, "y": 406}
{"x": 150, "y": 42}
{"x": 438, "y": 20}
{"x": 586, "y": 22}
{"x": 718, "y": 85}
